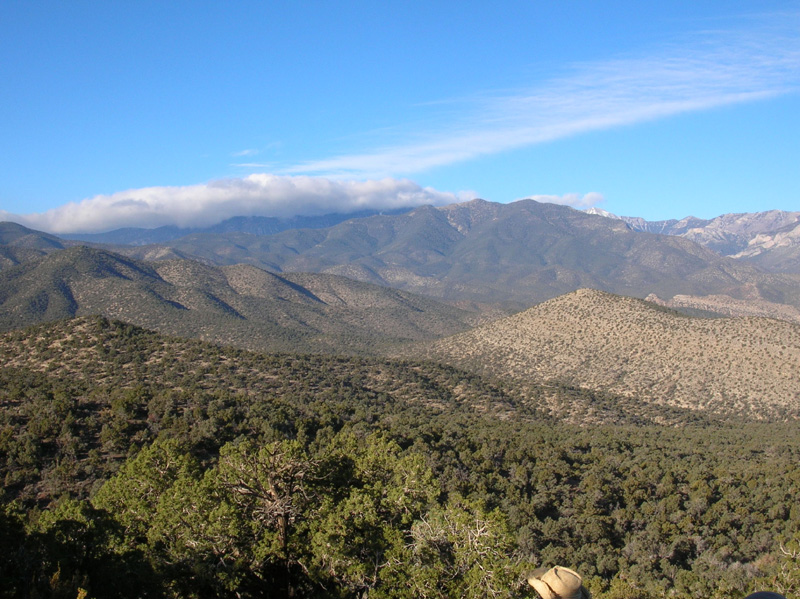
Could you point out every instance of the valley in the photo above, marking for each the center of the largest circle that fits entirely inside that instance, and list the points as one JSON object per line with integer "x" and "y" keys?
{"x": 443, "y": 300}
{"x": 398, "y": 383}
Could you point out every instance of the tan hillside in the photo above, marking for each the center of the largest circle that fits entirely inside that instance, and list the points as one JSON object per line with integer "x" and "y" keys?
{"x": 727, "y": 366}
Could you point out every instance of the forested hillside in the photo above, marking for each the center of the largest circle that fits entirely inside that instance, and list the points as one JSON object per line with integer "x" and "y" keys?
{"x": 140, "y": 465}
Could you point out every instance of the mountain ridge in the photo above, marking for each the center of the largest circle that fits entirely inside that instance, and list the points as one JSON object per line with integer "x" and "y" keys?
{"x": 20, "y": 244}
{"x": 512, "y": 256}
{"x": 255, "y": 225}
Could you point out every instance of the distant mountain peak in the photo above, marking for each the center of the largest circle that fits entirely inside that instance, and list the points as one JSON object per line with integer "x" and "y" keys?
{"x": 600, "y": 212}
{"x": 769, "y": 239}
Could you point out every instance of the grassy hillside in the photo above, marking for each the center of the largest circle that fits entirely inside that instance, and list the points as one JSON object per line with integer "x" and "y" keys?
{"x": 745, "y": 366}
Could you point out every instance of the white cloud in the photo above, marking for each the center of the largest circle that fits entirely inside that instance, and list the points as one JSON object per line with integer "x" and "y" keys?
{"x": 208, "y": 204}
{"x": 571, "y": 199}
{"x": 248, "y": 152}
{"x": 704, "y": 71}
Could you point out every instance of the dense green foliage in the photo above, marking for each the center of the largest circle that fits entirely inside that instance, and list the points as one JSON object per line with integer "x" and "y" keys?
{"x": 155, "y": 467}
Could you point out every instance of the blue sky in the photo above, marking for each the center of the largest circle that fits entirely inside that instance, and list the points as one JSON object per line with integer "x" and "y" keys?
{"x": 150, "y": 113}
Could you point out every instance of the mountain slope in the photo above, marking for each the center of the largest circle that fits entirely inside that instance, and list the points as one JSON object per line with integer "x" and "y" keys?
{"x": 19, "y": 244}
{"x": 776, "y": 251}
{"x": 519, "y": 253}
{"x": 746, "y": 366}
{"x": 239, "y": 305}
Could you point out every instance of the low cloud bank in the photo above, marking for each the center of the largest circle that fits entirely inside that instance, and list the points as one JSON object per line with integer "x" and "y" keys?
{"x": 211, "y": 203}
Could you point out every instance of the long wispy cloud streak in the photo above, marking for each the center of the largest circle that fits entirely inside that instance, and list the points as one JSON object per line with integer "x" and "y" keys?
{"x": 706, "y": 71}
{"x": 211, "y": 203}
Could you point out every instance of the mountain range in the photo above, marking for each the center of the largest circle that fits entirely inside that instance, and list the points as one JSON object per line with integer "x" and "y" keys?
{"x": 516, "y": 254}
{"x": 444, "y": 283}
{"x": 477, "y": 253}
{"x": 254, "y": 225}
{"x": 769, "y": 239}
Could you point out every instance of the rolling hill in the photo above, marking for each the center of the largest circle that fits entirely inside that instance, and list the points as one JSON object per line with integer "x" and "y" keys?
{"x": 237, "y": 305}
{"x": 595, "y": 340}
{"x": 119, "y": 385}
